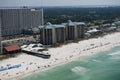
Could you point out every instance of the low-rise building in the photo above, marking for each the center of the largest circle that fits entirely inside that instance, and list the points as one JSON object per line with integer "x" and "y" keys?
{"x": 117, "y": 24}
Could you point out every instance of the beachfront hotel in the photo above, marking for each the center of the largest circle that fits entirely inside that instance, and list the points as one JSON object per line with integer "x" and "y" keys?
{"x": 15, "y": 20}
{"x": 79, "y": 29}
{"x": 46, "y": 34}
{"x": 70, "y": 30}
{"x": 74, "y": 30}
{"x": 51, "y": 34}
{"x": 59, "y": 33}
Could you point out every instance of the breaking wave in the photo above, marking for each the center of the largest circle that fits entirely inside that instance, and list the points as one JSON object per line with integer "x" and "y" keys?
{"x": 96, "y": 60}
{"x": 115, "y": 54}
{"x": 79, "y": 70}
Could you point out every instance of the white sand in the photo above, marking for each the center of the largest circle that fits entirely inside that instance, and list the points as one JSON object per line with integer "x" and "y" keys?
{"x": 59, "y": 55}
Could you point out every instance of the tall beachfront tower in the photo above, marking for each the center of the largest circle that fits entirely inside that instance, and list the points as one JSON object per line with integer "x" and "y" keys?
{"x": 59, "y": 33}
{"x": 47, "y": 34}
{"x": 52, "y": 34}
{"x": 74, "y": 30}
{"x": 70, "y": 30}
{"x": 15, "y": 20}
{"x": 79, "y": 26}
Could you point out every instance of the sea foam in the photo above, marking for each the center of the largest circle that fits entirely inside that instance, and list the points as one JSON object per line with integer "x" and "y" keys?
{"x": 79, "y": 70}
{"x": 96, "y": 60}
{"x": 115, "y": 53}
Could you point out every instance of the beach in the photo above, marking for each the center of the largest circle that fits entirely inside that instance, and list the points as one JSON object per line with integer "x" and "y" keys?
{"x": 59, "y": 55}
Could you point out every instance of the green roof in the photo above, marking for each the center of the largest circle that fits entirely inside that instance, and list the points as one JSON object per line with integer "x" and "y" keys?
{"x": 58, "y": 26}
{"x": 50, "y": 26}
{"x": 70, "y": 23}
{"x": 79, "y": 23}
{"x": 47, "y": 26}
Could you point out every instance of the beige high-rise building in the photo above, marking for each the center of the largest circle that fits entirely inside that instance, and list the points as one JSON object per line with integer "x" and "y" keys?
{"x": 52, "y": 34}
{"x": 74, "y": 30}
{"x": 59, "y": 33}
{"x": 79, "y": 26}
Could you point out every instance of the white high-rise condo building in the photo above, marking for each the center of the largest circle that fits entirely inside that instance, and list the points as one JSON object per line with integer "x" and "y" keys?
{"x": 15, "y": 20}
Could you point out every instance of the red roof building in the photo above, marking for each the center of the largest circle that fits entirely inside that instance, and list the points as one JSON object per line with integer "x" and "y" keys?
{"x": 12, "y": 48}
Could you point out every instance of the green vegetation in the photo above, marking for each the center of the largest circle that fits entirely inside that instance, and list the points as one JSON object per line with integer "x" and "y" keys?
{"x": 92, "y": 16}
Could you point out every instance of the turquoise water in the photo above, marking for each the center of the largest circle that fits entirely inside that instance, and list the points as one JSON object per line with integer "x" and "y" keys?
{"x": 104, "y": 66}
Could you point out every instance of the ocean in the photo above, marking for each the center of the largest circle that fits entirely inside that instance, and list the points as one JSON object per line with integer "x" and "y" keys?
{"x": 103, "y": 66}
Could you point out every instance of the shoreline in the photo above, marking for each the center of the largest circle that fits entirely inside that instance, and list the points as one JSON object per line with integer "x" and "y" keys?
{"x": 59, "y": 56}
{"x": 62, "y": 63}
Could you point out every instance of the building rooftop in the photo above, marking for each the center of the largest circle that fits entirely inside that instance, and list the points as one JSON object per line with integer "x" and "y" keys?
{"x": 92, "y": 31}
{"x": 59, "y": 26}
{"x": 12, "y": 48}
{"x": 79, "y": 23}
{"x": 70, "y": 23}
{"x": 47, "y": 26}
{"x": 50, "y": 26}
{"x": 117, "y": 23}
{"x": 19, "y": 8}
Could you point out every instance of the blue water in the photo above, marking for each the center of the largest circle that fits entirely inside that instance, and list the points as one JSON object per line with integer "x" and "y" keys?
{"x": 103, "y": 66}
